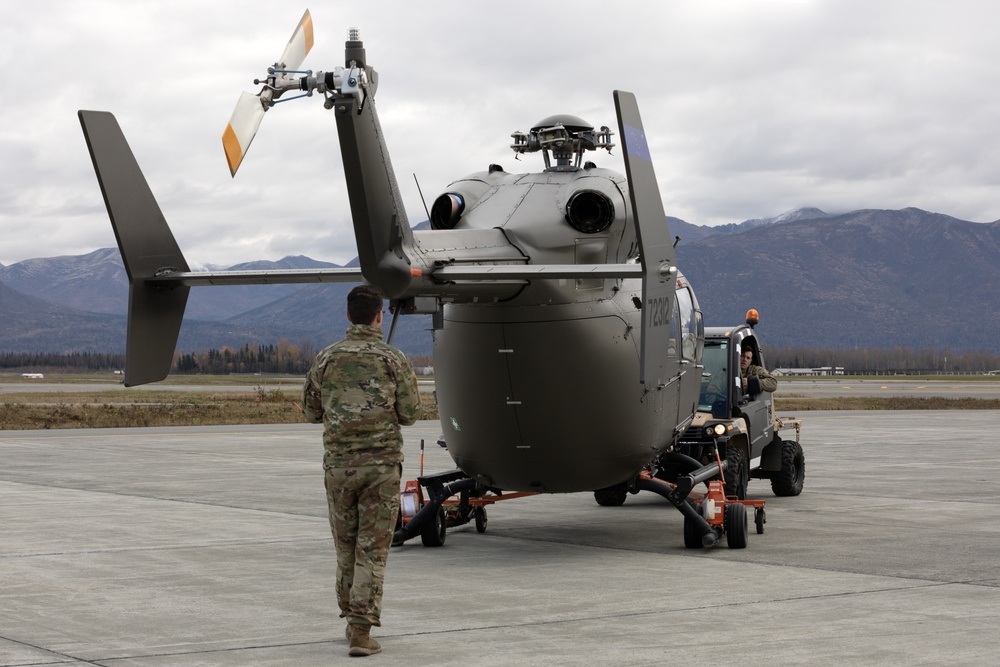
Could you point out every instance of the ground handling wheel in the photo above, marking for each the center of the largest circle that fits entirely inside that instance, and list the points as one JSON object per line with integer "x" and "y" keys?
{"x": 613, "y": 496}
{"x": 737, "y": 526}
{"x": 433, "y": 532}
{"x": 759, "y": 518}
{"x": 479, "y": 514}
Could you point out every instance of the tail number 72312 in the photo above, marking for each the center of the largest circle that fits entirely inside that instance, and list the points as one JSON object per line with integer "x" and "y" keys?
{"x": 659, "y": 311}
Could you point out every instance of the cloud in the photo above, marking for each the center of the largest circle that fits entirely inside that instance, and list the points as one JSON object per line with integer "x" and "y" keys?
{"x": 752, "y": 107}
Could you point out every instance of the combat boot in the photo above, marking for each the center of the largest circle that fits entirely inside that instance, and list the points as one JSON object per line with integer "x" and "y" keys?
{"x": 349, "y": 631}
{"x": 362, "y": 642}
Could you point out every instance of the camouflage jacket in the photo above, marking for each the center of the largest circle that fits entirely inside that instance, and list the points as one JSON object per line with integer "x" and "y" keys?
{"x": 766, "y": 380}
{"x": 362, "y": 390}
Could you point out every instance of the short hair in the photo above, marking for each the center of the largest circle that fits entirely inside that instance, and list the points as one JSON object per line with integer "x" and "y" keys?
{"x": 363, "y": 303}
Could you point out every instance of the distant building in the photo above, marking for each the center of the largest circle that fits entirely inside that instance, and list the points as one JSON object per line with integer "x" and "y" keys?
{"x": 822, "y": 370}
{"x": 33, "y": 376}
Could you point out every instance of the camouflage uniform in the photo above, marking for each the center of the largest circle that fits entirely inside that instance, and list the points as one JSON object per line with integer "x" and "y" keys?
{"x": 766, "y": 380}
{"x": 362, "y": 390}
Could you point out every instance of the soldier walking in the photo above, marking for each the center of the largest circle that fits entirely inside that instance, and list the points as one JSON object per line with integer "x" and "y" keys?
{"x": 362, "y": 390}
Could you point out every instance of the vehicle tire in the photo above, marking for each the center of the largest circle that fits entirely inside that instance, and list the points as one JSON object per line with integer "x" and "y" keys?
{"x": 737, "y": 474}
{"x": 613, "y": 496}
{"x": 433, "y": 532}
{"x": 737, "y": 526}
{"x": 789, "y": 479}
{"x": 480, "y": 515}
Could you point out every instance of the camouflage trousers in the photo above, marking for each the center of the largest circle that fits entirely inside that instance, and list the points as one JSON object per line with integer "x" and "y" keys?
{"x": 363, "y": 504}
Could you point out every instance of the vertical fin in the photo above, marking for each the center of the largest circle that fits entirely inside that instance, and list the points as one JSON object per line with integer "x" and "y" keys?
{"x": 655, "y": 245}
{"x": 147, "y": 247}
{"x": 380, "y": 224}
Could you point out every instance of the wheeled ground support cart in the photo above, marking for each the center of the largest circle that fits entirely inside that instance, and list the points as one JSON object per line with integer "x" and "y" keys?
{"x": 708, "y": 516}
{"x": 431, "y": 516}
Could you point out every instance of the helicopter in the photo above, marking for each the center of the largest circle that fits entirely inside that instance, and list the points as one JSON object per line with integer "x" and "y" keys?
{"x": 567, "y": 344}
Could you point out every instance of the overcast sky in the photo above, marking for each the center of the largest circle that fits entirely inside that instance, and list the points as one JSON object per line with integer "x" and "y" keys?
{"x": 752, "y": 107}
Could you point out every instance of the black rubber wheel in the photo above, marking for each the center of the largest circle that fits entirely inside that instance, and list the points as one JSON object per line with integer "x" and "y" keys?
{"x": 789, "y": 479}
{"x": 760, "y": 518}
{"x": 613, "y": 496}
{"x": 480, "y": 515}
{"x": 737, "y": 526}
{"x": 692, "y": 536}
{"x": 432, "y": 534}
{"x": 737, "y": 474}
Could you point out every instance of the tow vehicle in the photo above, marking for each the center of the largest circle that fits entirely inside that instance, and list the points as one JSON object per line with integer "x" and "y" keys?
{"x": 735, "y": 428}
{"x": 742, "y": 424}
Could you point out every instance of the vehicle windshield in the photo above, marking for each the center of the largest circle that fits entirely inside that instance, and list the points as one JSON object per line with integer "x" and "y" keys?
{"x": 714, "y": 383}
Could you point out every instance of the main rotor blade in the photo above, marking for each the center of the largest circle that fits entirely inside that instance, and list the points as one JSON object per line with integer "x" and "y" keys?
{"x": 241, "y": 129}
{"x": 299, "y": 45}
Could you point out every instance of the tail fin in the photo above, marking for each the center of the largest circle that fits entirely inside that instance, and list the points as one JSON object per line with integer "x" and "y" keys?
{"x": 147, "y": 247}
{"x": 655, "y": 244}
{"x": 380, "y": 226}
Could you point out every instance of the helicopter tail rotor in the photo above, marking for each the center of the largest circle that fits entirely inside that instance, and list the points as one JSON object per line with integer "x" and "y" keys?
{"x": 250, "y": 108}
{"x": 299, "y": 45}
{"x": 241, "y": 129}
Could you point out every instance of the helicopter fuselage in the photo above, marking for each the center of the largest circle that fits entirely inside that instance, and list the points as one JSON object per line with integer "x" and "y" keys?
{"x": 540, "y": 391}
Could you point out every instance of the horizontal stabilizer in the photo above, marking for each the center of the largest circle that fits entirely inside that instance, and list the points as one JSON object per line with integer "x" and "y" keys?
{"x": 537, "y": 272}
{"x": 269, "y": 277}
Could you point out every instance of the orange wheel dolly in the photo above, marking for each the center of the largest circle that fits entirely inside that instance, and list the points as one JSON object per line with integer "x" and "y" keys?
{"x": 708, "y": 516}
{"x": 430, "y": 517}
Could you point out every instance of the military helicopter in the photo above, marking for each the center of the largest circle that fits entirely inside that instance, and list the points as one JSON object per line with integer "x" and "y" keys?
{"x": 567, "y": 344}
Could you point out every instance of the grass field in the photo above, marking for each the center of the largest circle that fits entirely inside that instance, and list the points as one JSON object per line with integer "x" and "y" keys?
{"x": 274, "y": 400}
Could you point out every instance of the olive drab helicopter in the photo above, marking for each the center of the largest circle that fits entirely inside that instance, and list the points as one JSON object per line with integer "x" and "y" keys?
{"x": 567, "y": 344}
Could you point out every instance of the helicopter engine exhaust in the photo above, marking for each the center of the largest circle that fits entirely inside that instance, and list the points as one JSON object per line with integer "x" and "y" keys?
{"x": 447, "y": 211}
{"x": 590, "y": 212}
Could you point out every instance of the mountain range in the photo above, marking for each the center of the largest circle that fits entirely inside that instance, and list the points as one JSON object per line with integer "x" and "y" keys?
{"x": 868, "y": 278}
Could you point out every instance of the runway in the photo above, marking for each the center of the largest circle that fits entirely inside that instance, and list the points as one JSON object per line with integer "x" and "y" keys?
{"x": 947, "y": 387}
{"x": 287, "y": 384}
{"x": 210, "y": 546}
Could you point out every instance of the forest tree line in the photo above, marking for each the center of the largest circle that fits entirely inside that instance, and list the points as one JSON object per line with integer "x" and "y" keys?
{"x": 877, "y": 361}
{"x": 285, "y": 357}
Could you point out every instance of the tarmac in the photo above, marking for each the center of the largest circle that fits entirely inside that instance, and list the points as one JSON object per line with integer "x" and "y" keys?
{"x": 211, "y": 546}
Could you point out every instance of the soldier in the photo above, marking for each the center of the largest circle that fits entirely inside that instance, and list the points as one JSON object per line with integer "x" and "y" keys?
{"x": 362, "y": 390}
{"x": 755, "y": 378}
